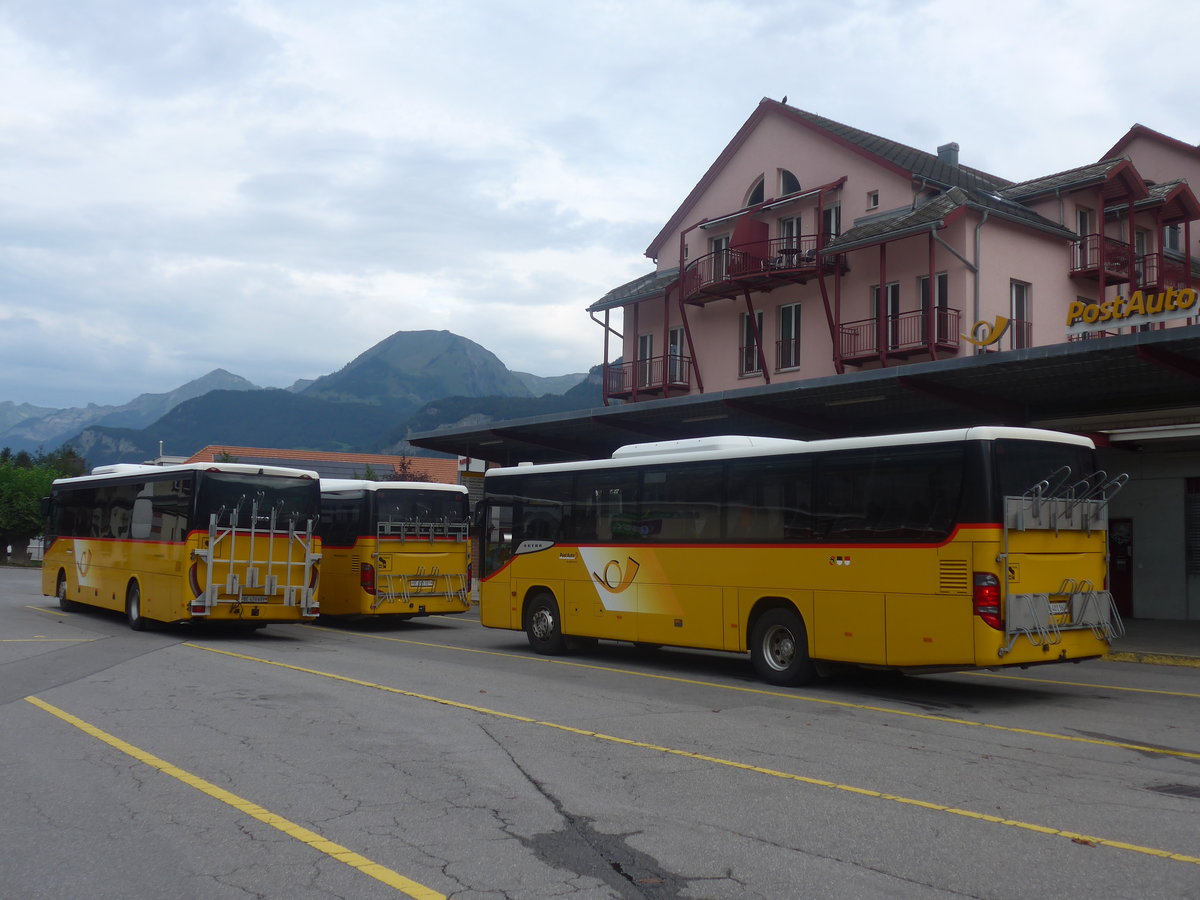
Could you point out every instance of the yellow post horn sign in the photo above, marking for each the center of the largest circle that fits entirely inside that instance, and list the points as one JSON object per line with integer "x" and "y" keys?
{"x": 988, "y": 332}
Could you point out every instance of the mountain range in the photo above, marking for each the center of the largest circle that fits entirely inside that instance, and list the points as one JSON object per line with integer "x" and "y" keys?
{"x": 434, "y": 377}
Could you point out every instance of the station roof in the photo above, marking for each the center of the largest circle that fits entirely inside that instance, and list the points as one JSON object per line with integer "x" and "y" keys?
{"x": 1138, "y": 389}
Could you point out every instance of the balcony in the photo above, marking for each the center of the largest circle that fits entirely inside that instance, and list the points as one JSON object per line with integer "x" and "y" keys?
{"x": 1156, "y": 272}
{"x": 759, "y": 266}
{"x": 654, "y": 376}
{"x": 1085, "y": 259}
{"x": 907, "y": 334}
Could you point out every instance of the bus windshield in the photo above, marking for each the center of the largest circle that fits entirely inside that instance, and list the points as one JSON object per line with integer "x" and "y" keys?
{"x": 235, "y": 497}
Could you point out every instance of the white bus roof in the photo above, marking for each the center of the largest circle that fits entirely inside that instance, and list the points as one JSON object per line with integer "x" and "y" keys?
{"x": 739, "y": 446}
{"x": 358, "y": 484}
{"x": 100, "y": 473}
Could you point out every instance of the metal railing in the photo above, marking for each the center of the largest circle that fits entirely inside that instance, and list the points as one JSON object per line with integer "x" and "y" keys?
{"x": 903, "y": 333}
{"x": 653, "y": 374}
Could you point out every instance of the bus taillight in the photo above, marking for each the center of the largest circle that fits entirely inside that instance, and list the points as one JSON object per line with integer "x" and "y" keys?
{"x": 367, "y": 578}
{"x": 470, "y": 577}
{"x": 986, "y": 599}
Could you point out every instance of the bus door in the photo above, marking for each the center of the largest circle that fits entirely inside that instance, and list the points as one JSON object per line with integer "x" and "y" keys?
{"x": 494, "y": 522}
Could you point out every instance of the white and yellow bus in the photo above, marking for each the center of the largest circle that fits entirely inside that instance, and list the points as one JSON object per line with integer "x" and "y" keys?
{"x": 394, "y": 548}
{"x": 983, "y": 547}
{"x": 200, "y": 542}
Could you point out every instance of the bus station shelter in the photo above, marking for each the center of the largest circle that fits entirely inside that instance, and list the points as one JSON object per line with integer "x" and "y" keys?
{"x": 1136, "y": 395}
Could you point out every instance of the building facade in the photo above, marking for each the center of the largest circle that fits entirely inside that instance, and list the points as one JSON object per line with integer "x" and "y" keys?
{"x": 812, "y": 249}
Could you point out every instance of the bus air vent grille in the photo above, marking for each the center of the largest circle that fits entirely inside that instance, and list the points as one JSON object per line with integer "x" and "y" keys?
{"x": 953, "y": 577}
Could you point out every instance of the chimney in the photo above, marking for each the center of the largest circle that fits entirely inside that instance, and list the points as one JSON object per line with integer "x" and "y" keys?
{"x": 948, "y": 153}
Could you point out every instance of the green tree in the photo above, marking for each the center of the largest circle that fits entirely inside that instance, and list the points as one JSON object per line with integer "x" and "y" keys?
{"x": 21, "y": 491}
{"x": 404, "y": 471}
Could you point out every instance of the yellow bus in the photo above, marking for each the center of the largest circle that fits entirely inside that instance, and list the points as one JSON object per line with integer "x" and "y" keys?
{"x": 983, "y": 547}
{"x": 200, "y": 542}
{"x": 394, "y": 548}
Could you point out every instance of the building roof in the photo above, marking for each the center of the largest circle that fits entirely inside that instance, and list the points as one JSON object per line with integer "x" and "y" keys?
{"x": 337, "y": 465}
{"x": 1118, "y": 149}
{"x": 645, "y": 287}
{"x": 934, "y": 213}
{"x": 1119, "y": 172}
{"x": 917, "y": 164}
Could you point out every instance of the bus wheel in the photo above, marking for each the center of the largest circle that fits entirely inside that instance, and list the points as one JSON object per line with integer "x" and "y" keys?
{"x": 543, "y": 626}
{"x": 779, "y": 648}
{"x": 133, "y": 607}
{"x": 60, "y": 591}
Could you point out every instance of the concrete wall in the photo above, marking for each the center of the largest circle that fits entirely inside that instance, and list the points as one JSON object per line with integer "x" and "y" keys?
{"x": 1154, "y": 500}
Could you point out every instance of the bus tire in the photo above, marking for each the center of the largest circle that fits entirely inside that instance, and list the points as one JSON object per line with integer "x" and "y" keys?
{"x": 543, "y": 626}
{"x": 133, "y": 608}
{"x": 60, "y": 591}
{"x": 779, "y": 648}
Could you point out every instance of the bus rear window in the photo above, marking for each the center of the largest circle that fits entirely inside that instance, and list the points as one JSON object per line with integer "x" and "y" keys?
{"x": 1020, "y": 465}
{"x": 420, "y": 506}
{"x": 227, "y": 493}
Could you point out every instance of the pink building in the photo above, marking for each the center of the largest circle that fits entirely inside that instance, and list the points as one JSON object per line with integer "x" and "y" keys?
{"x": 810, "y": 248}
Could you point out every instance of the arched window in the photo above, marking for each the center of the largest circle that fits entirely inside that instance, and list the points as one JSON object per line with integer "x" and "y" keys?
{"x": 788, "y": 183}
{"x": 756, "y": 194}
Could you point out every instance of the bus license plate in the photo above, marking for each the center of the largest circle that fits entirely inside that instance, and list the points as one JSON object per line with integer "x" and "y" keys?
{"x": 1060, "y": 608}
{"x": 421, "y": 583}
{"x": 254, "y": 598}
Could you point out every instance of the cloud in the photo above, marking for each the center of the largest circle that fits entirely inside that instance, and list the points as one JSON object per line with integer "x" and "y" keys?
{"x": 273, "y": 187}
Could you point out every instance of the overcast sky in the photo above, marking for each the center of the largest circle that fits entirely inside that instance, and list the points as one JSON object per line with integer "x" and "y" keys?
{"x": 273, "y": 186}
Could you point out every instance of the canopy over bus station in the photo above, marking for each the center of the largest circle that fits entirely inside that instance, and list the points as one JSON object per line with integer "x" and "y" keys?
{"x": 1133, "y": 393}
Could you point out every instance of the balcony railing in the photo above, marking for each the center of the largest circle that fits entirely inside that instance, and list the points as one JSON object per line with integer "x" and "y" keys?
{"x": 1158, "y": 272}
{"x": 787, "y": 353}
{"x": 653, "y": 375}
{"x": 1085, "y": 258}
{"x": 904, "y": 334}
{"x": 762, "y": 264}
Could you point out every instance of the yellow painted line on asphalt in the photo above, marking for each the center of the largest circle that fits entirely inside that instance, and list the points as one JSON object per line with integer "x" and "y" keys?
{"x": 45, "y": 640}
{"x": 716, "y": 760}
{"x": 809, "y": 698}
{"x": 48, "y": 610}
{"x": 291, "y": 829}
{"x": 1082, "y": 684}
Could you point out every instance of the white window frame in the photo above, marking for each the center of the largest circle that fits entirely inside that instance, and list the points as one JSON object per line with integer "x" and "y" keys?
{"x": 720, "y": 260}
{"x": 789, "y": 331}
{"x": 941, "y": 324}
{"x": 748, "y": 347}
{"x": 1020, "y": 310}
{"x": 892, "y": 312}
{"x": 675, "y": 370}
{"x": 645, "y": 360}
{"x": 831, "y": 220}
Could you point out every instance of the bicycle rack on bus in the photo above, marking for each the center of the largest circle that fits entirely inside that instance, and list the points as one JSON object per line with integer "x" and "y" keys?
{"x": 263, "y": 587}
{"x": 423, "y": 583}
{"x": 1054, "y": 505}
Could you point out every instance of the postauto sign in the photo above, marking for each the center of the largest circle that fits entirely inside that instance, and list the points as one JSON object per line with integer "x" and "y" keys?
{"x": 1139, "y": 308}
